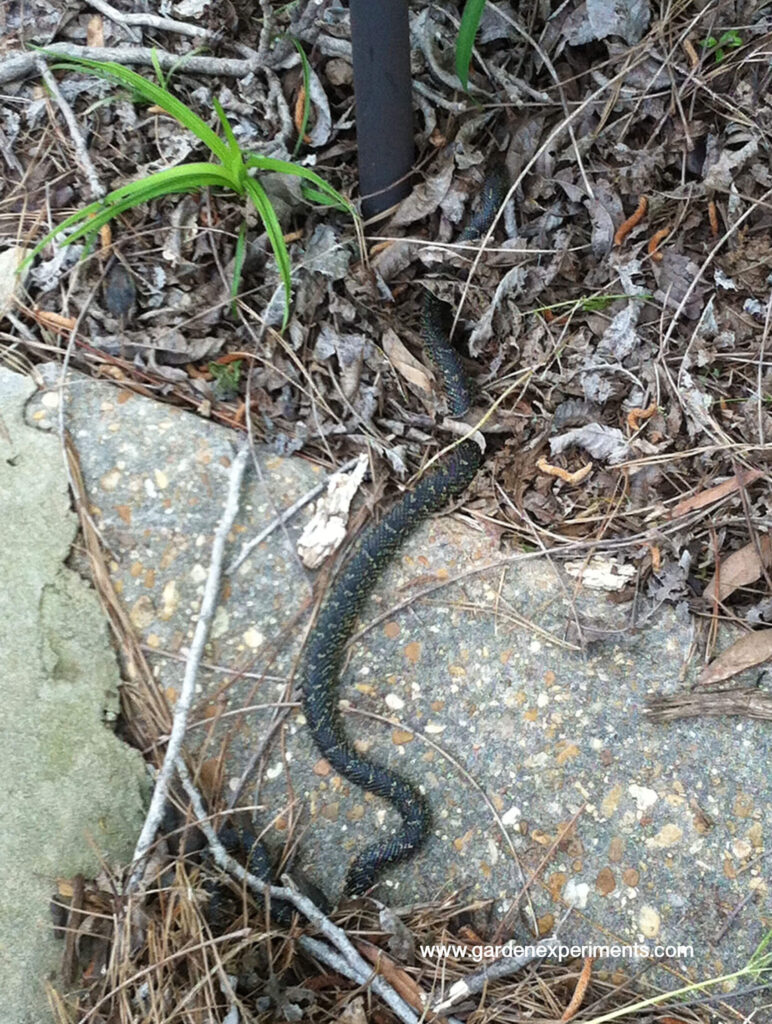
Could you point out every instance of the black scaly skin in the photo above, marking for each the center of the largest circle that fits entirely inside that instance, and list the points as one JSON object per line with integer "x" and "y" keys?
{"x": 443, "y": 356}
{"x": 241, "y": 842}
{"x": 493, "y": 191}
{"x": 344, "y": 602}
{"x": 326, "y": 647}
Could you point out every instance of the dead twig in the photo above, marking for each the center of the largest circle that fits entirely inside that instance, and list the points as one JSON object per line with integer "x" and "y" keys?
{"x": 185, "y": 700}
{"x": 347, "y": 960}
{"x": 500, "y": 968}
{"x": 283, "y": 517}
{"x": 182, "y": 28}
{"x": 739, "y": 701}
{"x": 18, "y": 66}
{"x": 78, "y": 144}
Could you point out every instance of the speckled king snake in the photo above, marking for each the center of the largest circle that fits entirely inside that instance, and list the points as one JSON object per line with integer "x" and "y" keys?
{"x": 346, "y": 597}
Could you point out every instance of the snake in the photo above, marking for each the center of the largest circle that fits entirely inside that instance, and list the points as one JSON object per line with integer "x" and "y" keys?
{"x": 345, "y": 599}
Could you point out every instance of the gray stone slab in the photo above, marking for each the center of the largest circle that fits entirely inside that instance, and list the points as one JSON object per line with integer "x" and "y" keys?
{"x": 71, "y": 789}
{"x": 471, "y": 691}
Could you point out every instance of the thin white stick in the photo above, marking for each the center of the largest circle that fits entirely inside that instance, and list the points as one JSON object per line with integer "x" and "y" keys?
{"x": 78, "y": 144}
{"x": 283, "y": 517}
{"x": 182, "y": 28}
{"x": 16, "y": 65}
{"x": 350, "y": 962}
{"x": 185, "y": 700}
{"x": 500, "y": 968}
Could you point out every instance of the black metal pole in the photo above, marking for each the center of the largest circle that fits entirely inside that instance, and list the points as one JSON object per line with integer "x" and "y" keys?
{"x": 380, "y": 41}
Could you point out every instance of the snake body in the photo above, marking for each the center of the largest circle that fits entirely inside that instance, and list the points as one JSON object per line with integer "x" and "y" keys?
{"x": 326, "y": 648}
{"x": 346, "y": 598}
{"x": 344, "y": 602}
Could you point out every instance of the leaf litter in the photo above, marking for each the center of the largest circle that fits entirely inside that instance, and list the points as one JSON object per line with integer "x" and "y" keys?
{"x": 642, "y": 111}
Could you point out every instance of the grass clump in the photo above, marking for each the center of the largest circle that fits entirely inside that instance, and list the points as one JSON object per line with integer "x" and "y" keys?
{"x": 232, "y": 169}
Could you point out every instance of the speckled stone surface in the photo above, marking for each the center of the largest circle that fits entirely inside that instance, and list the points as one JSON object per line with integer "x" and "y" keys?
{"x": 472, "y": 691}
{"x": 72, "y": 792}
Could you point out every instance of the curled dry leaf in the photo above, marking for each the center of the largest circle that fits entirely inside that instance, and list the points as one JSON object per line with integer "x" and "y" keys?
{"x": 322, "y": 118}
{"x": 325, "y": 531}
{"x": 740, "y": 568}
{"x": 425, "y": 198}
{"x": 563, "y": 474}
{"x": 606, "y": 444}
{"x": 353, "y": 1012}
{"x": 399, "y": 979}
{"x": 721, "y": 174}
{"x": 401, "y": 940}
{"x": 751, "y": 650}
{"x": 405, "y": 363}
{"x": 620, "y": 339}
{"x": 602, "y": 573}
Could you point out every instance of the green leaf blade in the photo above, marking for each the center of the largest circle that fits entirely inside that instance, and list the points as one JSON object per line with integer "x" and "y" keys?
{"x": 470, "y": 22}
{"x": 270, "y": 221}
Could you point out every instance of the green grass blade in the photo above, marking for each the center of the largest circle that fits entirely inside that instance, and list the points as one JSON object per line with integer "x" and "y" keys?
{"x": 74, "y": 218}
{"x": 306, "y": 95}
{"x": 159, "y": 73}
{"x": 144, "y": 192}
{"x": 470, "y": 22}
{"x": 312, "y": 195}
{"x": 173, "y": 179}
{"x": 235, "y": 162}
{"x": 269, "y": 163}
{"x": 268, "y": 216}
{"x": 238, "y": 264}
{"x": 152, "y": 93}
{"x": 187, "y": 178}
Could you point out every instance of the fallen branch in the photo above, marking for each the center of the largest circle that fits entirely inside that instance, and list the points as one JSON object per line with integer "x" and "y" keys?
{"x": 22, "y": 65}
{"x": 740, "y": 701}
{"x": 78, "y": 143}
{"x": 182, "y": 28}
{"x": 185, "y": 700}
{"x": 346, "y": 960}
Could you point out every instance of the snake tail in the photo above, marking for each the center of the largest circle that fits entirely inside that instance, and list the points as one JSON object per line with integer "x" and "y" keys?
{"x": 325, "y": 654}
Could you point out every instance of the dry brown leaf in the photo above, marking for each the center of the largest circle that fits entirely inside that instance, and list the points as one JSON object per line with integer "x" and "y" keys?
{"x": 353, "y": 1012}
{"x": 399, "y": 980}
{"x": 739, "y": 569}
{"x": 752, "y": 649}
{"x": 703, "y": 498}
{"x": 405, "y": 363}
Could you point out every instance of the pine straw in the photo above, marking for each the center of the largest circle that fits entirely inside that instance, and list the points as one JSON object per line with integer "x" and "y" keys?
{"x": 160, "y": 963}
